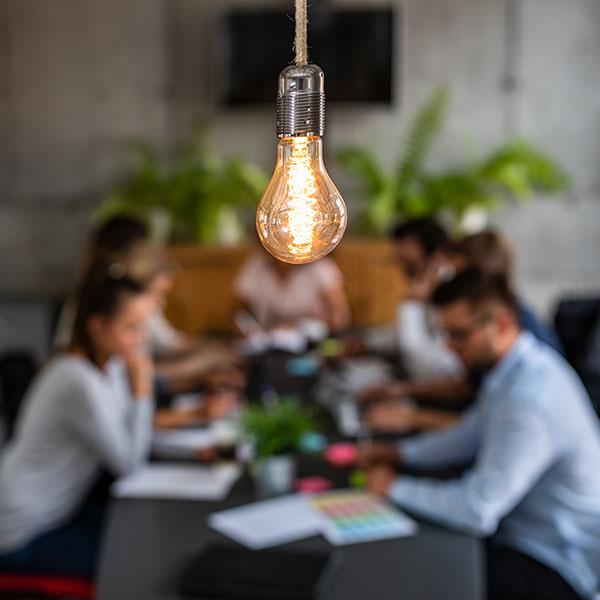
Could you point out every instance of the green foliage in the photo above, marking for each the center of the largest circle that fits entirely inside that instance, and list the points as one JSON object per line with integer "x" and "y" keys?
{"x": 428, "y": 122}
{"x": 278, "y": 429}
{"x": 193, "y": 188}
{"x": 514, "y": 171}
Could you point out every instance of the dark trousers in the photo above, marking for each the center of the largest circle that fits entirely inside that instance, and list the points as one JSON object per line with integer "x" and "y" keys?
{"x": 515, "y": 576}
{"x": 72, "y": 549}
{"x": 68, "y": 550}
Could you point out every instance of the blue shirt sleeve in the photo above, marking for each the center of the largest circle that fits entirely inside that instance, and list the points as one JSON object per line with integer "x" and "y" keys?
{"x": 449, "y": 446}
{"x": 515, "y": 452}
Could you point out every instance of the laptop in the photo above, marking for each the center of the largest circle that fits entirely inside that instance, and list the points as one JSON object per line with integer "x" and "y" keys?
{"x": 221, "y": 572}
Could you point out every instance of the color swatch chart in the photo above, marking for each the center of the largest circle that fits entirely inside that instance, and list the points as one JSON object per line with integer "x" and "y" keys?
{"x": 350, "y": 517}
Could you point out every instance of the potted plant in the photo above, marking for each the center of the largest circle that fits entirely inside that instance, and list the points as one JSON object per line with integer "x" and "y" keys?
{"x": 192, "y": 195}
{"x": 276, "y": 433}
{"x": 515, "y": 170}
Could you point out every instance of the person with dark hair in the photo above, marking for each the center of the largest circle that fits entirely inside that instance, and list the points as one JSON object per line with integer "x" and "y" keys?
{"x": 535, "y": 445}
{"x": 111, "y": 241}
{"x": 89, "y": 411}
{"x": 491, "y": 252}
{"x": 187, "y": 364}
{"x": 426, "y": 235}
{"x": 419, "y": 249}
{"x": 487, "y": 250}
{"x": 117, "y": 235}
{"x": 183, "y": 363}
{"x": 432, "y": 370}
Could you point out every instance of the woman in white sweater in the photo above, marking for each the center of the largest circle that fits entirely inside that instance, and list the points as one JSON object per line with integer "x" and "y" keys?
{"x": 89, "y": 412}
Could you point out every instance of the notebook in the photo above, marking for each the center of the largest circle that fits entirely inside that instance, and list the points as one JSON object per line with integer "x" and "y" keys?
{"x": 268, "y": 522}
{"x": 177, "y": 481}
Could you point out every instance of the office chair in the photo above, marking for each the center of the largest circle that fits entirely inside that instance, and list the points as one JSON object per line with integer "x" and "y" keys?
{"x": 17, "y": 370}
{"x": 577, "y": 322}
{"x": 19, "y": 586}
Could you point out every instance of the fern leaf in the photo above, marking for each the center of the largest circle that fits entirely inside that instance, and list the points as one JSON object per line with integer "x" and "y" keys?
{"x": 426, "y": 126}
{"x": 363, "y": 166}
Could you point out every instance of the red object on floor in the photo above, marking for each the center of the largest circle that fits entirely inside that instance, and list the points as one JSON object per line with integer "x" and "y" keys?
{"x": 51, "y": 586}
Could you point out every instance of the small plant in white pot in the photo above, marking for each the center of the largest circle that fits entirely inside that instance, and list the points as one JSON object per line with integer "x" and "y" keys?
{"x": 276, "y": 433}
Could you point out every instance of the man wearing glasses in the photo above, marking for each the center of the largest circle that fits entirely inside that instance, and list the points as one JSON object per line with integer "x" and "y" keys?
{"x": 535, "y": 481}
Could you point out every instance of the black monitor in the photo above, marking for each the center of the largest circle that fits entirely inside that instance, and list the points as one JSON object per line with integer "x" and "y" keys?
{"x": 354, "y": 47}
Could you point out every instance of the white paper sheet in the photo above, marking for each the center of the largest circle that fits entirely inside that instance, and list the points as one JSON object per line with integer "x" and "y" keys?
{"x": 269, "y": 522}
{"x": 175, "y": 481}
{"x": 182, "y": 443}
{"x": 295, "y": 517}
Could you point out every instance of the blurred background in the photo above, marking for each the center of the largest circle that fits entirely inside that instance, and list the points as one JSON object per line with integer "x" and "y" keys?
{"x": 98, "y": 97}
{"x": 136, "y": 141}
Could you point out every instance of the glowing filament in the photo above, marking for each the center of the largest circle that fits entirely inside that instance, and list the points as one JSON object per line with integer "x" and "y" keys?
{"x": 301, "y": 216}
{"x": 302, "y": 204}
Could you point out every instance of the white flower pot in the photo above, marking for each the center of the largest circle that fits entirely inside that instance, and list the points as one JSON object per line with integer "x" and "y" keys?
{"x": 274, "y": 476}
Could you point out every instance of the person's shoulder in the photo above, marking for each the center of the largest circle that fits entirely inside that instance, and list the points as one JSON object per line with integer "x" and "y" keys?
{"x": 546, "y": 360}
{"x": 61, "y": 380}
{"x": 544, "y": 378}
{"x": 253, "y": 270}
{"x": 67, "y": 368}
{"x": 530, "y": 321}
{"x": 525, "y": 312}
{"x": 325, "y": 264}
{"x": 326, "y": 269}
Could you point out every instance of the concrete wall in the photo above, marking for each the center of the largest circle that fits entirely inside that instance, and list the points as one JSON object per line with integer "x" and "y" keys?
{"x": 77, "y": 79}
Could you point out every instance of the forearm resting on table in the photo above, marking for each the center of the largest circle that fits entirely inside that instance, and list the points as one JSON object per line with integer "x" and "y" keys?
{"x": 451, "y": 390}
{"x": 429, "y": 418}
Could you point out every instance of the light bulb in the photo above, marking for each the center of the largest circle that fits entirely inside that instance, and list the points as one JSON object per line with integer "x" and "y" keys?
{"x": 301, "y": 216}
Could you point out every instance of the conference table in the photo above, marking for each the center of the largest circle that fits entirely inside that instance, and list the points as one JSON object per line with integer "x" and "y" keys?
{"x": 148, "y": 543}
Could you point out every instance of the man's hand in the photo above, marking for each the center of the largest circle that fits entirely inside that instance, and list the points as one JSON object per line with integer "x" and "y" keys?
{"x": 378, "y": 453}
{"x": 421, "y": 285}
{"x": 352, "y": 346}
{"x": 380, "y": 479}
{"x": 220, "y": 404}
{"x": 391, "y": 417}
{"x": 225, "y": 378}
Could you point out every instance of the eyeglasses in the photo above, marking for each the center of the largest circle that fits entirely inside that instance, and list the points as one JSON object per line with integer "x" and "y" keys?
{"x": 459, "y": 335}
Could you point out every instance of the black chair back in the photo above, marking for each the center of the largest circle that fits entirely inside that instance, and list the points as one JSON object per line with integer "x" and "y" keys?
{"x": 17, "y": 370}
{"x": 577, "y": 323}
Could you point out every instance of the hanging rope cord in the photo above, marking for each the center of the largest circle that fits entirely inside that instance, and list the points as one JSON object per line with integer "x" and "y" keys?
{"x": 301, "y": 28}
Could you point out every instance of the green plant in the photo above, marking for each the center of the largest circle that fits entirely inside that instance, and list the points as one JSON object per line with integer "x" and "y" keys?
{"x": 277, "y": 429}
{"x": 514, "y": 171}
{"x": 195, "y": 189}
